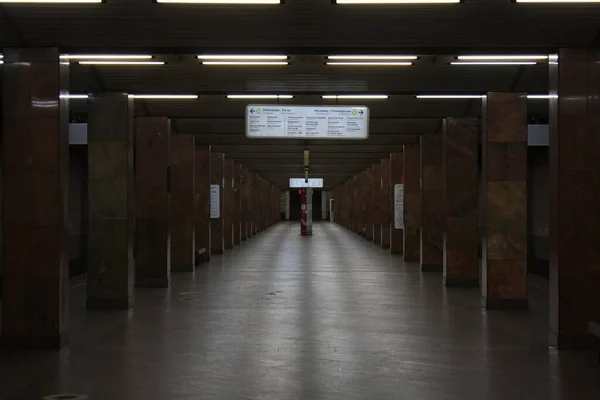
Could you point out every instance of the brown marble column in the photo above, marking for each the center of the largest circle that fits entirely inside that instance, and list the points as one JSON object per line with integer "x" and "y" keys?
{"x": 217, "y": 226}
{"x": 377, "y": 214}
{"x": 111, "y": 217}
{"x": 228, "y": 205}
{"x": 504, "y": 206}
{"x": 385, "y": 203}
{"x": 152, "y": 202}
{"x": 461, "y": 197}
{"x": 244, "y": 204}
{"x": 237, "y": 205}
{"x": 412, "y": 203}
{"x": 356, "y": 205}
{"x": 202, "y": 176}
{"x": 574, "y": 197}
{"x": 368, "y": 196}
{"x": 35, "y": 162}
{"x": 432, "y": 202}
{"x": 397, "y": 233}
{"x": 181, "y": 218}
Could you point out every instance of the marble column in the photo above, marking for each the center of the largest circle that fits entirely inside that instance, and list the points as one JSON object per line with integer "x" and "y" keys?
{"x": 368, "y": 196}
{"x": 377, "y": 214}
{"x": 111, "y": 217}
{"x": 574, "y": 197}
{"x": 217, "y": 226}
{"x": 237, "y": 205}
{"x": 152, "y": 202}
{"x": 461, "y": 197}
{"x": 202, "y": 176}
{"x": 228, "y": 204}
{"x": 251, "y": 203}
{"x": 182, "y": 202}
{"x": 432, "y": 202}
{"x": 244, "y": 204}
{"x": 504, "y": 206}
{"x": 412, "y": 203}
{"x": 397, "y": 233}
{"x": 35, "y": 175}
{"x": 385, "y": 203}
{"x": 356, "y": 205}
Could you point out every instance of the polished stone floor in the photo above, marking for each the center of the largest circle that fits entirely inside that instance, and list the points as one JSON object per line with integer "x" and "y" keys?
{"x": 288, "y": 317}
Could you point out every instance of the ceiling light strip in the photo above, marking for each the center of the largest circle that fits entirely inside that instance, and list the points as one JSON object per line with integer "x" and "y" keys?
{"x": 558, "y": 1}
{"x": 493, "y": 63}
{"x": 224, "y": 2}
{"x": 74, "y": 96}
{"x": 259, "y": 96}
{"x": 372, "y": 57}
{"x": 52, "y": 1}
{"x": 164, "y": 96}
{"x": 248, "y": 57}
{"x": 105, "y": 56}
{"x": 542, "y": 96}
{"x": 250, "y": 63}
{"x": 97, "y": 62}
{"x": 397, "y": 1}
{"x": 355, "y": 96}
{"x": 514, "y": 57}
{"x": 449, "y": 96}
{"x": 371, "y": 64}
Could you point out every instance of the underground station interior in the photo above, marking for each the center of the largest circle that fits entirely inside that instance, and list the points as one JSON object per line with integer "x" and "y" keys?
{"x": 300, "y": 199}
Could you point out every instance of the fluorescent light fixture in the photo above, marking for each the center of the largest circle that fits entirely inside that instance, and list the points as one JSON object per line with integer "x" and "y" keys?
{"x": 96, "y": 62}
{"x": 1, "y": 55}
{"x": 225, "y": 57}
{"x": 450, "y": 96}
{"x": 221, "y": 1}
{"x": 50, "y": 1}
{"x": 355, "y": 96}
{"x": 105, "y": 56}
{"x": 372, "y": 63}
{"x": 558, "y": 1}
{"x": 301, "y": 183}
{"x": 260, "y": 96}
{"x": 378, "y": 57}
{"x": 504, "y": 57}
{"x": 164, "y": 96}
{"x": 73, "y": 96}
{"x": 542, "y": 96}
{"x": 396, "y": 1}
{"x": 493, "y": 63}
{"x": 244, "y": 63}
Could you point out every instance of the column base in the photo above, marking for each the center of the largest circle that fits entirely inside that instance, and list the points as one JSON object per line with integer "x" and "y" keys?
{"x": 228, "y": 248}
{"x": 218, "y": 252}
{"x": 51, "y": 342}
{"x": 109, "y": 304}
{"x": 182, "y": 268}
{"x": 385, "y": 246}
{"x": 573, "y": 342}
{"x": 410, "y": 258}
{"x": 395, "y": 251}
{"x": 505, "y": 304}
{"x": 461, "y": 282}
{"x": 432, "y": 268}
{"x": 153, "y": 282}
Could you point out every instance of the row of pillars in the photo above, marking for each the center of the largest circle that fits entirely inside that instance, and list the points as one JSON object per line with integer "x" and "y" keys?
{"x": 151, "y": 206}
{"x": 452, "y": 208}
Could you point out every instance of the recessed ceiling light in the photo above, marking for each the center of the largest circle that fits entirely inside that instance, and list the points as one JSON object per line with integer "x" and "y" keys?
{"x": 493, "y": 63}
{"x": 221, "y": 1}
{"x": 96, "y": 62}
{"x": 355, "y": 96}
{"x": 450, "y": 96}
{"x": 73, "y": 96}
{"x": 369, "y": 63}
{"x": 376, "y": 57}
{"x": 164, "y": 96}
{"x": 255, "y": 63}
{"x": 396, "y": 1}
{"x": 105, "y": 56}
{"x": 247, "y": 57}
{"x": 260, "y": 96}
{"x": 504, "y": 57}
{"x": 542, "y": 96}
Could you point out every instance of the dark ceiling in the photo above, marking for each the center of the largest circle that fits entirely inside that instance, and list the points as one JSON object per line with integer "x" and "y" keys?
{"x": 307, "y": 31}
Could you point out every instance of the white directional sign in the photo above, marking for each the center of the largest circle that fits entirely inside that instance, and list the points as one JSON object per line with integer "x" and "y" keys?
{"x": 301, "y": 183}
{"x": 215, "y": 201}
{"x": 304, "y": 122}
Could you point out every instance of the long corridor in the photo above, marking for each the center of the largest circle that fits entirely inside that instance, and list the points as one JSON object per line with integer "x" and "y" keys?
{"x": 289, "y": 317}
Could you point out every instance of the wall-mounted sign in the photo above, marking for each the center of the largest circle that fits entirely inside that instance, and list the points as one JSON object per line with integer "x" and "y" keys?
{"x": 314, "y": 122}
{"x": 399, "y": 206}
{"x": 215, "y": 201}
{"x": 301, "y": 183}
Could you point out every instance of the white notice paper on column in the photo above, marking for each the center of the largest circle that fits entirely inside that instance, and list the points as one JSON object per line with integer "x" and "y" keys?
{"x": 215, "y": 203}
{"x": 399, "y": 206}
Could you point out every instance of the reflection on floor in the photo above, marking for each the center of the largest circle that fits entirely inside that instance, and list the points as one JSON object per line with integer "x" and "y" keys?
{"x": 288, "y": 317}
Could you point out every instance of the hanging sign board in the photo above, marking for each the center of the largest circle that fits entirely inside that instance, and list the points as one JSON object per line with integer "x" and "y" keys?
{"x": 399, "y": 206}
{"x": 215, "y": 202}
{"x": 304, "y": 122}
{"x": 301, "y": 183}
